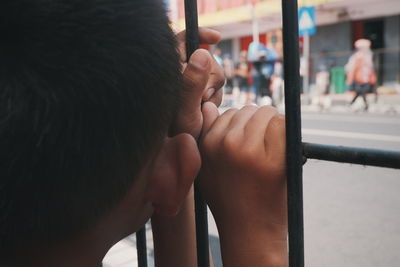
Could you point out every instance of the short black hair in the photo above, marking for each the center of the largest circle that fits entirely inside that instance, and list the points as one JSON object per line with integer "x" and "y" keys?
{"x": 87, "y": 91}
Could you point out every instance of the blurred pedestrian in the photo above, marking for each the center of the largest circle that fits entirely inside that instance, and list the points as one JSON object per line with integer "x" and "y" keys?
{"x": 277, "y": 83}
{"x": 263, "y": 61}
{"x": 264, "y": 69}
{"x": 322, "y": 77}
{"x": 229, "y": 71}
{"x": 217, "y": 56}
{"x": 242, "y": 76}
{"x": 360, "y": 71}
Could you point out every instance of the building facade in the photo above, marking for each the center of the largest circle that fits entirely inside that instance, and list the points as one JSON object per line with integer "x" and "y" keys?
{"x": 340, "y": 23}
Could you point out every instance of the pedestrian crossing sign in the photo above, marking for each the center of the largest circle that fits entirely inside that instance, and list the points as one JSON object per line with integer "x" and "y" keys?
{"x": 307, "y": 21}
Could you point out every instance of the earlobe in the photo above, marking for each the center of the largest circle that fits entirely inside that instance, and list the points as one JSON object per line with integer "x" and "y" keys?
{"x": 173, "y": 173}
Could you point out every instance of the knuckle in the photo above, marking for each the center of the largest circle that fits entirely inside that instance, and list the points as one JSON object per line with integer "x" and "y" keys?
{"x": 277, "y": 123}
{"x": 229, "y": 112}
{"x": 193, "y": 76}
{"x": 248, "y": 108}
{"x": 230, "y": 143}
{"x": 248, "y": 154}
{"x": 269, "y": 109}
{"x": 236, "y": 152}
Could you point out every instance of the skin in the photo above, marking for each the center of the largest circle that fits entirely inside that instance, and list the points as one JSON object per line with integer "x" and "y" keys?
{"x": 241, "y": 177}
{"x": 243, "y": 181}
{"x": 239, "y": 163}
{"x": 201, "y": 74}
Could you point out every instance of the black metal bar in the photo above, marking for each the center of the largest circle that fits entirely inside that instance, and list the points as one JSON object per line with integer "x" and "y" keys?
{"x": 192, "y": 28}
{"x": 293, "y": 132}
{"x": 192, "y": 43}
{"x": 203, "y": 256}
{"x": 141, "y": 247}
{"x": 363, "y": 156}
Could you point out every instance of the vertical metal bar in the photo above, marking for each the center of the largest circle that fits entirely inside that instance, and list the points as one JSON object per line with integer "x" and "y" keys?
{"x": 203, "y": 256}
{"x": 192, "y": 43}
{"x": 293, "y": 132}
{"x": 141, "y": 247}
{"x": 192, "y": 28}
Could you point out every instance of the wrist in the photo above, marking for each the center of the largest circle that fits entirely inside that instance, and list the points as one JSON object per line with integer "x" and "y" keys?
{"x": 178, "y": 230}
{"x": 253, "y": 244}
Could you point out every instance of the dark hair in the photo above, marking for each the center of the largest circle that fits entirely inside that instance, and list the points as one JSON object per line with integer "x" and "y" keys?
{"x": 87, "y": 90}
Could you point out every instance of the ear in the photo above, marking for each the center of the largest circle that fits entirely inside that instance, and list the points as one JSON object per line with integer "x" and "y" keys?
{"x": 173, "y": 173}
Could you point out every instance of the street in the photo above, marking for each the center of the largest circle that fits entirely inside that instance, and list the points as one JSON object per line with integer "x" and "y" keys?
{"x": 351, "y": 213}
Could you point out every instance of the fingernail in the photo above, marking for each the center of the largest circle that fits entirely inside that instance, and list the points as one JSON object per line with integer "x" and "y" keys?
{"x": 199, "y": 59}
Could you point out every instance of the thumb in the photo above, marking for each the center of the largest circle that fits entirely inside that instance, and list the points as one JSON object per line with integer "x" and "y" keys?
{"x": 195, "y": 78}
{"x": 210, "y": 115}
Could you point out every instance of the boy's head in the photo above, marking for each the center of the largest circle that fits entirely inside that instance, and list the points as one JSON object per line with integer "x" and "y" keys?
{"x": 88, "y": 90}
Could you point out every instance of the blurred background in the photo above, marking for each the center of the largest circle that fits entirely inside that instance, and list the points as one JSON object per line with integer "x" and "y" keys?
{"x": 333, "y": 27}
{"x": 351, "y": 212}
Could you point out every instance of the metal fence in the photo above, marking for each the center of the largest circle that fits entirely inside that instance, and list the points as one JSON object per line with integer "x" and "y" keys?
{"x": 297, "y": 152}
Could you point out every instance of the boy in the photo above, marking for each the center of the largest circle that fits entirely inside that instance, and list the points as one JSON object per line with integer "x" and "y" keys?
{"x": 97, "y": 127}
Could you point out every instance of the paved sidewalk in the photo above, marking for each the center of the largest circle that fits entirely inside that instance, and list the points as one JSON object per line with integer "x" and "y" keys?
{"x": 386, "y": 102}
{"x": 340, "y": 103}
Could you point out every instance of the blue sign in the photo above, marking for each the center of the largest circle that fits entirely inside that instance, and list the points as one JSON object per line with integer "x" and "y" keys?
{"x": 307, "y": 24}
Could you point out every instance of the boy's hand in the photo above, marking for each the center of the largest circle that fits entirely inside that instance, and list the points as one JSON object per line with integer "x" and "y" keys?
{"x": 201, "y": 74}
{"x": 203, "y": 79}
{"x": 216, "y": 80}
{"x": 243, "y": 182}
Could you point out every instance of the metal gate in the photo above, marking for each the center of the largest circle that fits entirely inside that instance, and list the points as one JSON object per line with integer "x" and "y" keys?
{"x": 297, "y": 152}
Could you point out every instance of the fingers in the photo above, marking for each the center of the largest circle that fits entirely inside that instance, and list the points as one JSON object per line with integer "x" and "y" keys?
{"x": 214, "y": 129}
{"x": 210, "y": 115}
{"x": 215, "y": 84}
{"x": 251, "y": 125}
{"x": 220, "y": 126}
{"x": 231, "y": 122}
{"x": 216, "y": 97}
{"x": 257, "y": 125}
{"x": 195, "y": 77}
{"x": 213, "y": 89}
{"x": 206, "y": 36}
{"x": 241, "y": 118}
{"x": 216, "y": 80}
{"x": 275, "y": 141}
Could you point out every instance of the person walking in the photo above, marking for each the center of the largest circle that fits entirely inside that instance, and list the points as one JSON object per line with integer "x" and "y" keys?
{"x": 217, "y": 56}
{"x": 360, "y": 70}
{"x": 229, "y": 71}
{"x": 242, "y": 76}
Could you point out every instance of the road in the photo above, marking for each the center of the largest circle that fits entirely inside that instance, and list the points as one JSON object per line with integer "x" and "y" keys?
{"x": 351, "y": 213}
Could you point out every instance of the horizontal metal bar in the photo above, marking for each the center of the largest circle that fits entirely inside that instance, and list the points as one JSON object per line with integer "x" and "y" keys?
{"x": 363, "y": 156}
